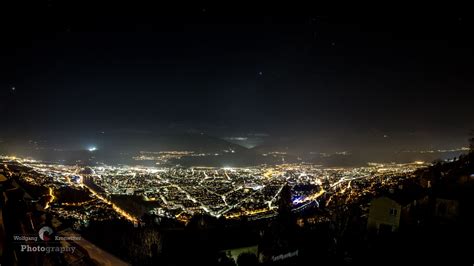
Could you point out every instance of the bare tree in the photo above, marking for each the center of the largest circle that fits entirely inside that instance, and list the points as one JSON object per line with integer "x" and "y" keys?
{"x": 471, "y": 141}
{"x": 341, "y": 217}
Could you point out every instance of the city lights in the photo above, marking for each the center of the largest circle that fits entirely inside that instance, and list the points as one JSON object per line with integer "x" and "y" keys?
{"x": 229, "y": 191}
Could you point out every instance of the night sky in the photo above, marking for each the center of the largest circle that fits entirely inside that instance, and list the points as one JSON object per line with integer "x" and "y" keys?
{"x": 75, "y": 70}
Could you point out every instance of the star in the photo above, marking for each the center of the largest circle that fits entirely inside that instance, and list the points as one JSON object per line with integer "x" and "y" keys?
{"x": 260, "y": 73}
{"x": 13, "y": 88}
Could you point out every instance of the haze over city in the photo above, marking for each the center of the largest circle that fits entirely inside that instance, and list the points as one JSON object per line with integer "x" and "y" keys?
{"x": 308, "y": 82}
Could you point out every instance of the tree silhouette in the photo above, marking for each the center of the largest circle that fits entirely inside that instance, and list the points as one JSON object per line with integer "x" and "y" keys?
{"x": 471, "y": 141}
{"x": 470, "y": 156}
{"x": 341, "y": 218}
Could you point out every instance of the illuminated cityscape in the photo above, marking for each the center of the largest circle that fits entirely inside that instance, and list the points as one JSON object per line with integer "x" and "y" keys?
{"x": 181, "y": 193}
